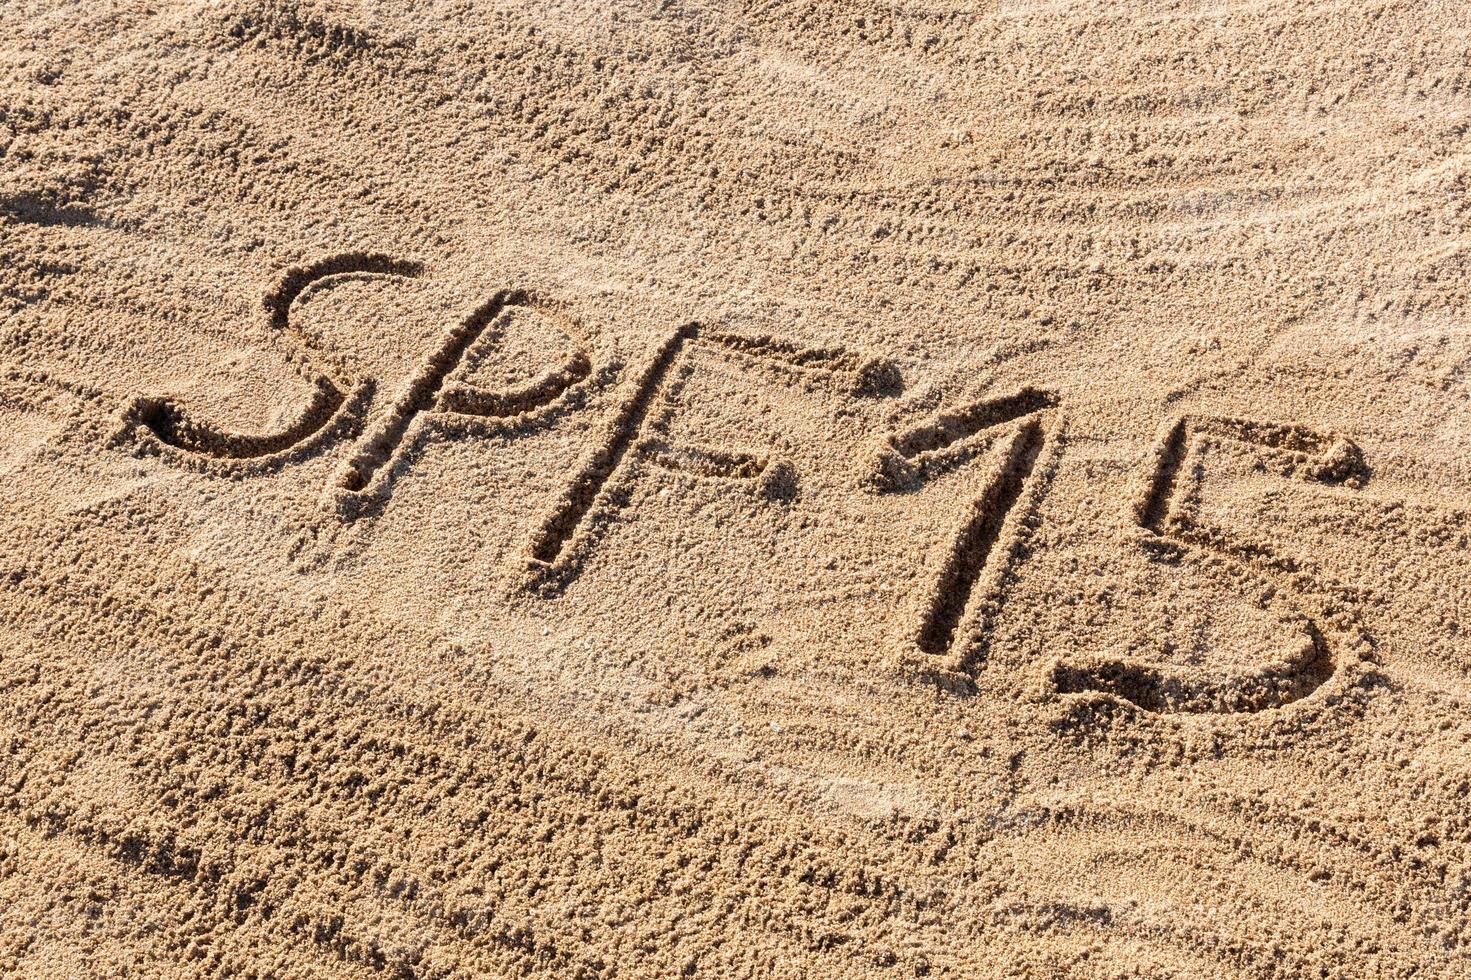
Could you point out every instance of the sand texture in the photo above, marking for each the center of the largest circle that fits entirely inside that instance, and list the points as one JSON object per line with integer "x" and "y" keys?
{"x": 739, "y": 489}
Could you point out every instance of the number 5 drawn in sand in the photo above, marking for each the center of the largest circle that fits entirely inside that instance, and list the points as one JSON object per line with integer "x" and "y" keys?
{"x": 1332, "y": 646}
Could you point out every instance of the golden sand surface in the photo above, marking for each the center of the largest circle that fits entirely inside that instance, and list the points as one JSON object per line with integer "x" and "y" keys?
{"x": 780, "y": 489}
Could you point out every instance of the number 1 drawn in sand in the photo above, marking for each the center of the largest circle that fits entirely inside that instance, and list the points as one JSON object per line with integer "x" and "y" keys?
{"x": 953, "y": 611}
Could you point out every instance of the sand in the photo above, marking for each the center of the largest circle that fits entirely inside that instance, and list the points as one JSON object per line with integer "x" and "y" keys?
{"x": 774, "y": 489}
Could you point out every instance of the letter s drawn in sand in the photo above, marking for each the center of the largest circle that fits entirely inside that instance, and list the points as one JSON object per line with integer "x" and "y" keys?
{"x": 336, "y": 403}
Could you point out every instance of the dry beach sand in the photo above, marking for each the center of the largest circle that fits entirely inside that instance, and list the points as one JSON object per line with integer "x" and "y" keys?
{"x": 772, "y": 489}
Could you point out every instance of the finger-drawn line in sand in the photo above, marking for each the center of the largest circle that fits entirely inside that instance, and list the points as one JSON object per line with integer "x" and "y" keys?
{"x": 911, "y": 458}
{"x": 1298, "y": 451}
{"x": 338, "y": 405}
{"x": 705, "y": 461}
{"x": 558, "y": 546}
{"x": 1167, "y": 513}
{"x": 949, "y": 618}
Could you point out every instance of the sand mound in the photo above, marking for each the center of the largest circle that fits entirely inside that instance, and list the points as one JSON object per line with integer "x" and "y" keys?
{"x": 735, "y": 490}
